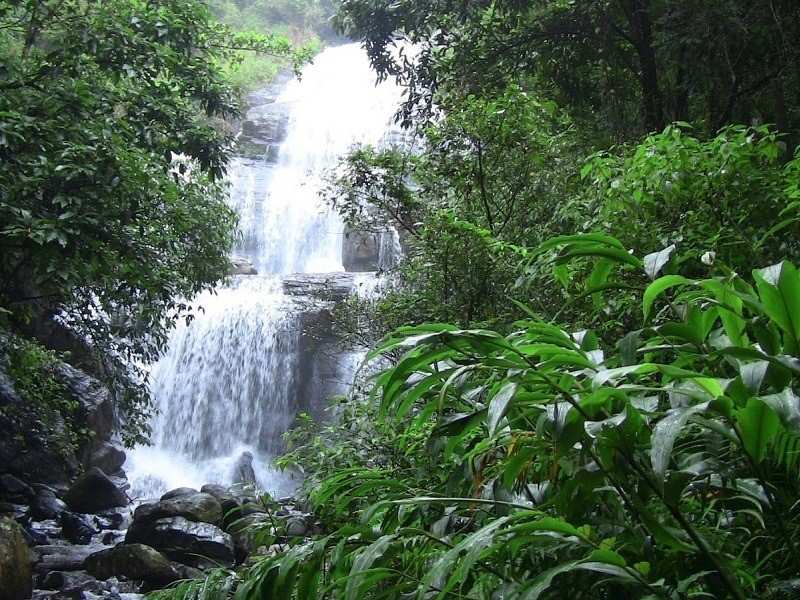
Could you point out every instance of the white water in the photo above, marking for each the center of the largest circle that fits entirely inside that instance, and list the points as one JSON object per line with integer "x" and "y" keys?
{"x": 229, "y": 382}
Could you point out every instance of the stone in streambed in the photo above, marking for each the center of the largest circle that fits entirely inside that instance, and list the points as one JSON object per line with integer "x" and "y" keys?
{"x": 71, "y": 582}
{"x": 194, "y": 506}
{"x": 134, "y": 561}
{"x": 94, "y": 492}
{"x": 46, "y": 505}
{"x": 178, "y": 492}
{"x": 183, "y": 540}
{"x": 76, "y": 528}
{"x": 15, "y": 562}
{"x": 63, "y": 557}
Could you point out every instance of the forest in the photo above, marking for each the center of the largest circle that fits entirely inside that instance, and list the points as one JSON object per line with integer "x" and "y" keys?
{"x": 582, "y": 376}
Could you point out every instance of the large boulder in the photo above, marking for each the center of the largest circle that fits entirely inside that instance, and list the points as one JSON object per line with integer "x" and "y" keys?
{"x": 94, "y": 492}
{"x": 107, "y": 456}
{"x": 15, "y": 562}
{"x": 14, "y": 490}
{"x": 177, "y": 492}
{"x": 46, "y": 505}
{"x": 134, "y": 561}
{"x": 183, "y": 540}
{"x": 196, "y": 506}
{"x": 224, "y": 496}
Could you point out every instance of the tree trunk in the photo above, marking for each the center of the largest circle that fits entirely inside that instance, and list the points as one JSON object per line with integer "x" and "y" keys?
{"x": 642, "y": 34}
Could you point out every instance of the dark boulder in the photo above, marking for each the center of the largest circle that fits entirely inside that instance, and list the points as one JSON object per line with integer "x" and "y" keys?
{"x": 195, "y": 506}
{"x": 94, "y": 492}
{"x": 243, "y": 471}
{"x": 134, "y": 561}
{"x": 15, "y": 562}
{"x": 223, "y": 495}
{"x": 15, "y": 490}
{"x": 71, "y": 582}
{"x": 183, "y": 540}
{"x": 178, "y": 492}
{"x": 107, "y": 456}
{"x": 47, "y": 505}
{"x": 76, "y": 528}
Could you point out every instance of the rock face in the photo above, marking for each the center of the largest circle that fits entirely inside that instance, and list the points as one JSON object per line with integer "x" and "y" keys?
{"x": 321, "y": 286}
{"x": 360, "y": 251}
{"x": 94, "y": 492}
{"x": 134, "y": 561}
{"x": 14, "y": 490}
{"x": 195, "y": 506}
{"x": 242, "y": 266}
{"x": 108, "y": 457}
{"x": 185, "y": 541}
{"x": 15, "y": 562}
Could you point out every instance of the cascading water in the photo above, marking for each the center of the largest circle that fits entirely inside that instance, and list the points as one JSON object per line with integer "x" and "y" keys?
{"x": 231, "y": 381}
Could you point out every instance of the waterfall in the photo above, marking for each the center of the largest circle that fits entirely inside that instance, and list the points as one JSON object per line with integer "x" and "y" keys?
{"x": 233, "y": 379}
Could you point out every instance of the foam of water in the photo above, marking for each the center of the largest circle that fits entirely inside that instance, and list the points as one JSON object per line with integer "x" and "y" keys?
{"x": 228, "y": 382}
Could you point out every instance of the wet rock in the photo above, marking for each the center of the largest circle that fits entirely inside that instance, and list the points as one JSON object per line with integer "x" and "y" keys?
{"x": 15, "y": 562}
{"x": 63, "y": 557}
{"x": 296, "y": 527}
{"x": 360, "y": 250}
{"x": 76, "y": 528}
{"x": 134, "y": 561}
{"x": 194, "y": 506}
{"x": 70, "y": 582}
{"x": 184, "y": 540}
{"x": 95, "y": 406}
{"x": 15, "y": 490}
{"x": 178, "y": 492}
{"x": 243, "y": 470}
{"x": 322, "y": 286}
{"x": 242, "y": 266}
{"x": 113, "y": 518}
{"x": 94, "y": 492}
{"x": 19, "y": 512}
{"x": 788, "y": 589}
{"x": 243, "y": 530}
{"x": 223, "y": 495}
{"x": 47, "y": 505}
{"x": 107, "y": 456}
{"x": 186, "y": 572}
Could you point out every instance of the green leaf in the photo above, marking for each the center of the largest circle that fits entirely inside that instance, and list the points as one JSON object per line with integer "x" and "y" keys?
{"x": 666, "y": 432}
{"x": 658, "y": 287}
{"x": 498, "y": 405}
{"x": 758, "y": 425}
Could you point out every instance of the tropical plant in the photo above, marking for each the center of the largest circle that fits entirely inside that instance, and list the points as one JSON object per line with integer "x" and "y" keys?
{"x": 549, "y": 464}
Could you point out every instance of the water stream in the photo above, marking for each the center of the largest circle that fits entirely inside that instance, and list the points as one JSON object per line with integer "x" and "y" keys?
{"x": 233, "y": 380}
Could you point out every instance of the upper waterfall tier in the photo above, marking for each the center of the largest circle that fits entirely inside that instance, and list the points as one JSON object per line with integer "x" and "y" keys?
{"x": 335, "y": 105}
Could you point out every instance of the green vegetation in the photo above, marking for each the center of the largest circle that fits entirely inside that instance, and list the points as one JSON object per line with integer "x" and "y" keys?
{"x": 304, "y": 22}
{"x": 112, "y": 214}
{"x": 603, "y": 205}
{"x": 49, "y": 415}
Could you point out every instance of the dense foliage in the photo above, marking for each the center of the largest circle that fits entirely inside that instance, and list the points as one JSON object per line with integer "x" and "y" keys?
{"x": 111, "y": 206}
{"x": 613, "y": 411}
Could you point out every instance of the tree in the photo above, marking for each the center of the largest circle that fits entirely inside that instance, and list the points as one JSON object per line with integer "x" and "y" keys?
{"x": 112, "y": 212}
{"x": 627, "y": 66}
